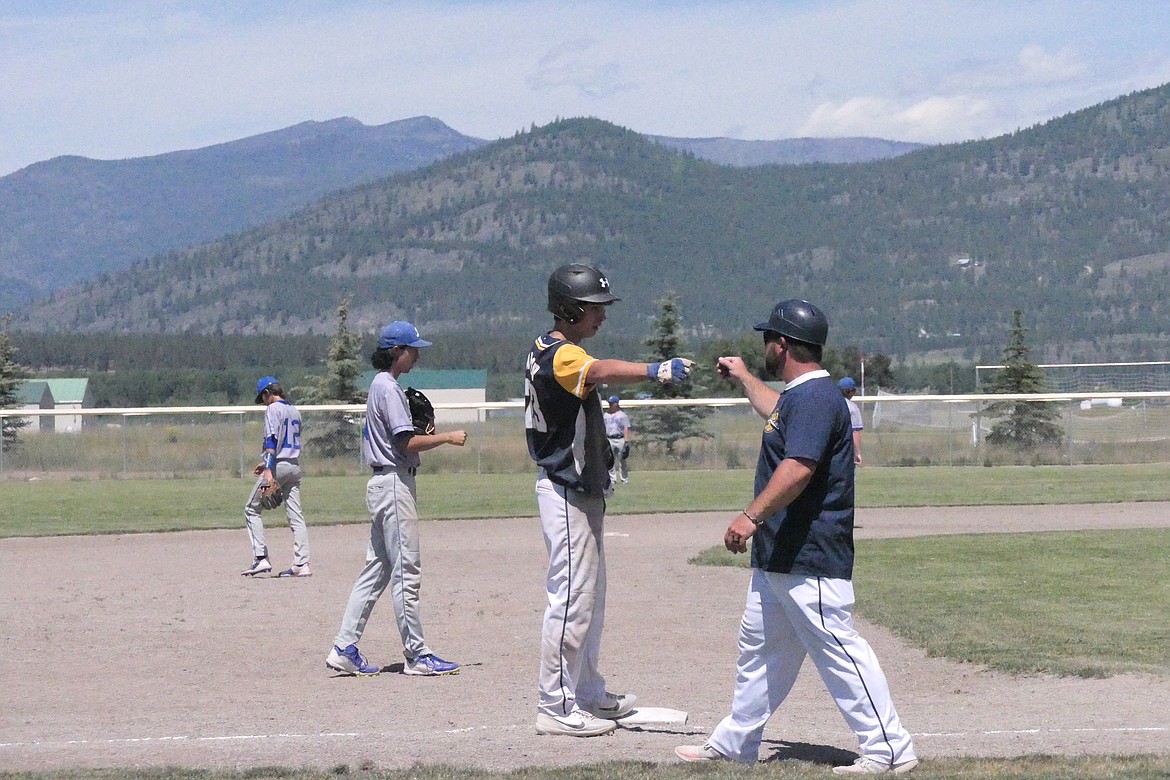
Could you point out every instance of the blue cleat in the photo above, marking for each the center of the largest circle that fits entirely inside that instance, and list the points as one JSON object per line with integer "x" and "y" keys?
{"x": 350, "y": 661}
{"x": 430, "y": 665}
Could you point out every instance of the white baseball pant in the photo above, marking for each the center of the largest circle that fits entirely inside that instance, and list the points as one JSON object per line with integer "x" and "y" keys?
{"x": 787, "y": 617}
{"x": 288, "y": 476}
{"x": 570, "y": 645}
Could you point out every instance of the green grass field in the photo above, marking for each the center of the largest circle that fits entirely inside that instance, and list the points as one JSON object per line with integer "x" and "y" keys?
{"x": 52, "y": 507}
{"x": 1052, "y": 603}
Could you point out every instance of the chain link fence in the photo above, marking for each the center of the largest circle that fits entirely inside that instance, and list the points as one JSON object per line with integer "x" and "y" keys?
{"x": 921, "y": 430}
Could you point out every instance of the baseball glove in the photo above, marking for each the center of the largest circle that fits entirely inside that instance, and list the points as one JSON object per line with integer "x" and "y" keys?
{"x": 271, "y": 496}
{"x": 421, "y": 411}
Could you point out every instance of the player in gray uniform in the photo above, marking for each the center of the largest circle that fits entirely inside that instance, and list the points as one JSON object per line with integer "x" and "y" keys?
{"x": 617, "y": 430}
{"x": 280, "y": 463}
{"x": 391, "y": 448}
{"x": 848, "y": 389}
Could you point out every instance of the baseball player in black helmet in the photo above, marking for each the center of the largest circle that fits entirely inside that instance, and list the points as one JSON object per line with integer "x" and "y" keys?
{"x": 573, "y": 285}
{"x": 566, "y": 437}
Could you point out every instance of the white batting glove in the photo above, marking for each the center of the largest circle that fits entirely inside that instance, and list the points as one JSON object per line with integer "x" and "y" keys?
{"x": 670, "y": 372}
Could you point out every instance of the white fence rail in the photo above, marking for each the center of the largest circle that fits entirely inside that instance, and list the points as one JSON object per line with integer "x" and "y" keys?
{"x": 197, "y": 441}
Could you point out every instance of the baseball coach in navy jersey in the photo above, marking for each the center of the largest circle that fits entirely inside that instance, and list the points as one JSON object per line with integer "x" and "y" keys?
{"x": 800, "y": 599}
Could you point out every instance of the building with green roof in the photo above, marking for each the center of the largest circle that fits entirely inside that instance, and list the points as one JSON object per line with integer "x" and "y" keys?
{"x": 64, "y": 393}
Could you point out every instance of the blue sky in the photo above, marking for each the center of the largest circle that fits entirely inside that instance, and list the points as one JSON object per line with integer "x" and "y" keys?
{"x": 109, "y": 79}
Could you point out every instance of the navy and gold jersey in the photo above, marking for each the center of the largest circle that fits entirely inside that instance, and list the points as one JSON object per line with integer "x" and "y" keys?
{"x": 562, "y": 417}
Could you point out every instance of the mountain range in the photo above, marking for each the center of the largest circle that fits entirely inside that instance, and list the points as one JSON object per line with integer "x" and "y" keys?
{"x": 927, "y": 252}
{"x": 70, "y": 219}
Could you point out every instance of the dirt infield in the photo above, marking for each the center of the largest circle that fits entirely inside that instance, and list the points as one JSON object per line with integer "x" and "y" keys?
{"x": 150, "y": 649}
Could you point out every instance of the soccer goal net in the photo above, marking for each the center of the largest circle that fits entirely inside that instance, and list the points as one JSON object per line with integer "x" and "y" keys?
{"x": 1152, "y": 376}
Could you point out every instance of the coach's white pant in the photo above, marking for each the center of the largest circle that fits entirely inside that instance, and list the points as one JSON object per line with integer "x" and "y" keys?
{"x": 787, "y": 617}
{"x": 571, "y": 642}
{"x": 288, "y": 476}
{"x": 392, "y": 558}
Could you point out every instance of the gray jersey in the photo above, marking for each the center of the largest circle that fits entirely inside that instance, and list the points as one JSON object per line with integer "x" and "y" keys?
{"x": 616, "y": 424}
{"x": 282, "y": 430}
{"x": 854, "y": 415}
{"x": 387, "y": 414}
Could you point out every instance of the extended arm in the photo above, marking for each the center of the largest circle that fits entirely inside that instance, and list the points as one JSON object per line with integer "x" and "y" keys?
{"x": 762, "y": 398}
{"x": 608, "y": 371}
{"x": 409, "y": 441}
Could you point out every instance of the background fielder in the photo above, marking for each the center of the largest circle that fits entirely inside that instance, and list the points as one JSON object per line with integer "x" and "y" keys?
{"x": 617, "y": 430}
{"x": 279, "y": 463}
{"x": 848, "y": 389}
{"x": 566, "y": 438}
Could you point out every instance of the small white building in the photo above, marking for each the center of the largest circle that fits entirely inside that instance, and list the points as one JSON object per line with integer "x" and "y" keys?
{"x": 31, "y": 395}
{"x": 65, "y": 393}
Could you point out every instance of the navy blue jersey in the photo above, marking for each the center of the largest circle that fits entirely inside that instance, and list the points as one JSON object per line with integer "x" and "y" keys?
{"x": 812, "y": 536}
{"x": 562, "y": 417}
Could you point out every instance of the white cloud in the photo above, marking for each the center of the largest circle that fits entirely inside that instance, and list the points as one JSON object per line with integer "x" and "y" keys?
{"x": 934, "y": 119}
{"x": 575, "y": 66}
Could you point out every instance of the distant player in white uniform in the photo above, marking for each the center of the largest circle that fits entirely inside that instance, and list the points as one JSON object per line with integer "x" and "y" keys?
{"x": 280, "y": 463}
{"x": 800, "y": 598}
{"x": 848, "y": 389}
{"x": 566, "y": 438}
{"x": 617, "y": 430}
{"x": 391, "y": 447}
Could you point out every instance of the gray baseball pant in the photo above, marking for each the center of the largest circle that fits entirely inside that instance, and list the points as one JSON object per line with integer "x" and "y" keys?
{"x": 288, "y": 476}
{"x": 393, "y": 559}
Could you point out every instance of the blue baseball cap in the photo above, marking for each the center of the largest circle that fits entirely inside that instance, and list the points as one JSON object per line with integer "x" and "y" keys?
{"x": 400, "y": 334}
{"x": 613, "y": 399}
{"x": 263, "y": 384}
{"x": 847, "y": 384}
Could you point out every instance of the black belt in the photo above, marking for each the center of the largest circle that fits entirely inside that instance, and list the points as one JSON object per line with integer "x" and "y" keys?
{"x": 394, "y": 469}
{"x": 616, "y": 435}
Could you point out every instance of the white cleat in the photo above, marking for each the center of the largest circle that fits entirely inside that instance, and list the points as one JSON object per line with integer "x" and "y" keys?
{"x": 259, "y": 566}
{"x": 577, "y": 723}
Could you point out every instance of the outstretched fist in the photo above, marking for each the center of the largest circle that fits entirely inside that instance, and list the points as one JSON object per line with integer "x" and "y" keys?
{"x": 670, "y": 372}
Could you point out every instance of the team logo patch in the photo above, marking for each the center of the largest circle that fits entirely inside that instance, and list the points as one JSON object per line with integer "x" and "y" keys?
{"x": 773, "y": 421}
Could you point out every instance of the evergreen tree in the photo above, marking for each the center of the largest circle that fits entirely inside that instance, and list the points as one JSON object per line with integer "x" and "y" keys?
{"x": 1022, "y": 425}
{"x": 339, "y": 385}
{"x": 666, "y": 426}
{"x": 11, "y": 375}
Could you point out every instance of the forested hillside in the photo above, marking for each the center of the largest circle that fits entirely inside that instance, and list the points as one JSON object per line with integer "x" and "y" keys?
{"x": 72, "y": 218}
{"x": 1066, "y": 221}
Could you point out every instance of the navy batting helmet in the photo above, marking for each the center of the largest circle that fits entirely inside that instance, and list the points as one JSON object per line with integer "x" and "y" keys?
{"x": 799, "y": 320}
{"x": 574, "y": 284}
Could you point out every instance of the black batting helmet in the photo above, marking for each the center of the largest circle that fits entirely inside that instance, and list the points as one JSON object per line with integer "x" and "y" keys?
{"x": 798, "y": 320}
{"x": 574, "y": 284}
